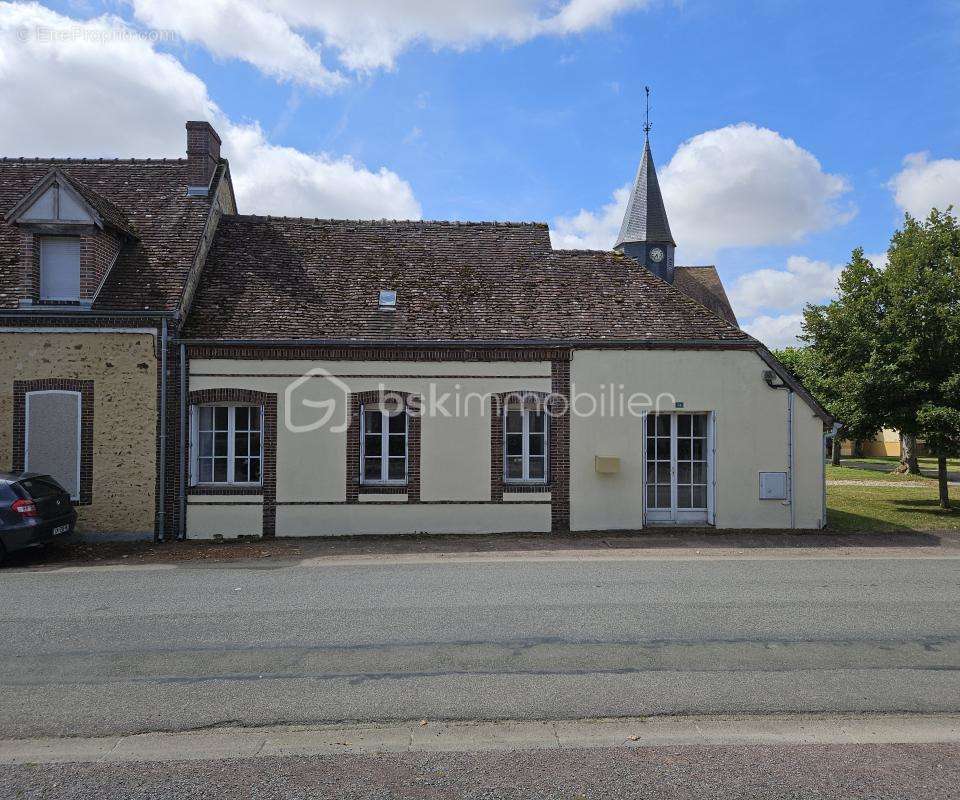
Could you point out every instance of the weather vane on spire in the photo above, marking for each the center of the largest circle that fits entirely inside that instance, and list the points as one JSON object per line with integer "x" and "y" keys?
{"x": 647, "y": 126}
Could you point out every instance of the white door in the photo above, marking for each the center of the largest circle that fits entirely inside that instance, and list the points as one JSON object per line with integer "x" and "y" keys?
{"x": 678, "y": 467}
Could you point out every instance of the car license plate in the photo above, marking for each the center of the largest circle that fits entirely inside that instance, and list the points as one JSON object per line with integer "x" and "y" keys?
{"x": 61, "y": 529}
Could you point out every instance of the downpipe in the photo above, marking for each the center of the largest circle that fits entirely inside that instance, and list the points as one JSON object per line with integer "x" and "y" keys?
{"x": 831, "y": 434}
{"x": 162, "y": 483}
{"x": 182, "y": 532}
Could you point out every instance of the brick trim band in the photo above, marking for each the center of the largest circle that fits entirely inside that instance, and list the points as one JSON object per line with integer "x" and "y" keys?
{"x": 560, "y": 445}
{"x": 376, "y": 396}
{"x": 268, "y": 489}
{"x": 85, "y": 388}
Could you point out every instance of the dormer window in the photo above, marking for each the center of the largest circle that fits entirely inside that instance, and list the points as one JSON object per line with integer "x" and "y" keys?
{"x": 60, "y": 269}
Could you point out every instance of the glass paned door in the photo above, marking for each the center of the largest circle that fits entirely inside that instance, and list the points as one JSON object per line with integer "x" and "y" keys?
{"x": 678, "y": 461}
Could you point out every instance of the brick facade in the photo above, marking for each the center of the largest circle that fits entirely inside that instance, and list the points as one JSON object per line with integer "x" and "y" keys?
{"x": 20, "y": 391}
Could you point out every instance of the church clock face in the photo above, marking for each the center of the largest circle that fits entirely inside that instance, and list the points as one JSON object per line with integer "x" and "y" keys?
{"x": 656, "y": 255}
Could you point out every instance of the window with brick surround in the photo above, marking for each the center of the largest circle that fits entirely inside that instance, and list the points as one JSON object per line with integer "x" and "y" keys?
{"x": 525, "y": 444}
{"x": 227, "y": 445}
{"x": 383, "y": 445}
{"x": 60, "y": 268}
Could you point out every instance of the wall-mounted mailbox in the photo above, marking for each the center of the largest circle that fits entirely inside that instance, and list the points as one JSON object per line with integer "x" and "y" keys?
{"x": 606, "y": 465}
{"x": 773, "y": 485}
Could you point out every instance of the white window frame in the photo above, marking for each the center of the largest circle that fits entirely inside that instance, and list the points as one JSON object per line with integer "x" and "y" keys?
{"x": 384, "y": 480}
{"x": 26, "y": 431}
{"x": 231, "y": 445}
{"x": 45, "y": 297}
{"x": 525, "y": 431}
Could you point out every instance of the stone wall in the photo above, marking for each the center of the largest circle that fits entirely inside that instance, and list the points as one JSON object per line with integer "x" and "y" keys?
{"x": 123, "y": 368}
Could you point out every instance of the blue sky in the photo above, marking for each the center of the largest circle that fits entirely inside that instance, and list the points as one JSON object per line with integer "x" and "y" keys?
{"x": 527, "y": 110}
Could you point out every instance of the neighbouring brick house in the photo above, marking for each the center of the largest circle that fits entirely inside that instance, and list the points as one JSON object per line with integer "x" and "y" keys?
{"x": 302, "y": 357}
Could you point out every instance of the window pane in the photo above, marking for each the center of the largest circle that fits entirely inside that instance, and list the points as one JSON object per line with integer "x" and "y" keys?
{"x": 371, "y": 469}
{"x": 699, "y": 451}
{"x": 683, "y": 449}
{"x": 663, "y": 424}
{"x": 699, "y": 496}
{"x": 515, "y": 444}
{"x": 254, "y": 419}
{"x": 240, "y": 444}
{"x": 255, "y": 444}
{"x": 515, "y": 467}
{"x": 220, "y": 415}
{"x": 537, "y": 421}
{"x": 220, "y": 470}
{"x": 206, "y": 418}
{"x": 255, "y": 470}
{"x": 651, "y": 472}
{"x": 683, "y": 424}
{"x": 683, "y": 497}
{"x": 663, "y": 449}
{"x": 537, "y": 444}
{"x": 397, "y": 469}
{"x": 663, "y": 473}
{"x": 373, "y": 421}
{"x": 663, "y": 497}
{"x": 205, "y": 471}
{"x": 373, "y": 445}
{"x": 398, "y": 423}
{"x": 651, "y": 424}
{"x": 683, "y": 472}
{"x": 537, "y": 466}
{"x": 220, "y": 444}
{"x": 240, "y": 418}
{"x": 651, "y": 496}
{"x": 398, "y": 446}
{"x": 206, "y": 445}
{"x": 700, "y": 425}
{"x": 514, "y": 421}
{"x": 699, "y": 473}
{"x": 240, "y": 472}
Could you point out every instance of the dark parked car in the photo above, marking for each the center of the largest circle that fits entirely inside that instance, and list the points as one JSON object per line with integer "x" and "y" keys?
{"x": 34, "y": 509}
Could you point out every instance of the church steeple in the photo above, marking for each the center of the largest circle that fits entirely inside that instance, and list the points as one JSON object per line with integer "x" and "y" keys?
{"x": 645, "y": 232}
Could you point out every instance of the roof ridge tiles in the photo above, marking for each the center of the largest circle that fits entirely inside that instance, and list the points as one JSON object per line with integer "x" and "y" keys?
{"x": 382, "y": 221}
{"x": 86, "y": 160}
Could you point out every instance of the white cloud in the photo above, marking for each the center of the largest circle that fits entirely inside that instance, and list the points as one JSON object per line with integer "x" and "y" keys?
{"x": 366, "y": 34}
{"x": 923, "y": 184}
{"x": 776, "y": 332}
{"x": 97, "y": 88}
{"x": 769, "y": 302}
{"x": 737, "y": 186}
{"x": 803, "y": 281}
{"x": 243, "y": 29}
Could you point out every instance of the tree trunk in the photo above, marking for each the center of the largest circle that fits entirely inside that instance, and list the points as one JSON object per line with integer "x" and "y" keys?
{"x": 908, "y": 454}
{"x": 942, "y": 481}
{"x": 835, "y": 452}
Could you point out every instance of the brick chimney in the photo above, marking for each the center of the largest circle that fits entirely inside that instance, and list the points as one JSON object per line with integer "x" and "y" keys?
{"x": 203, "y": 152}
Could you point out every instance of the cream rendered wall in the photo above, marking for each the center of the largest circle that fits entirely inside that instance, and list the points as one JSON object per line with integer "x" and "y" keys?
{"x": 227, "y": 520}
{"x": 455, "y": 462}
{"x": 750, "y": 436}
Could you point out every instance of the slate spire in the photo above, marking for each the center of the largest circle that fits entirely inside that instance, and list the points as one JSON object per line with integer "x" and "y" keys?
{"x": 646, "y": 216}
{"x": 645, "y": 232}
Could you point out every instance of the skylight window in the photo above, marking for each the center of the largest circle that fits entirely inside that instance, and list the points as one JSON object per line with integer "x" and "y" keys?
{"x": 388, "y": 300}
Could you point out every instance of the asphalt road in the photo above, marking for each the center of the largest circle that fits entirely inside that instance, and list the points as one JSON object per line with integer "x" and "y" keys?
{"x": 91, "y": 652}
{"x": 826, "y": 772}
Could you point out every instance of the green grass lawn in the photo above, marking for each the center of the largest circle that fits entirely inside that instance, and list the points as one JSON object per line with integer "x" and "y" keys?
{"x": 893, "y": 507}
{"x": 845, "y": 473}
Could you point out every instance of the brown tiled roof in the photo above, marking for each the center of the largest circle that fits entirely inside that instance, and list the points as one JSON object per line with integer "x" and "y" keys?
{"x": 703, "y": 284}
{"x": 108, "y": 212}
{"x": 276, "y": 278}
{"x": 149, "y": 195}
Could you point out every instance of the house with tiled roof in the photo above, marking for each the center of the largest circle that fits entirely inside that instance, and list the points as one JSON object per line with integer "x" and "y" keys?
{"x": 188, "y": 369}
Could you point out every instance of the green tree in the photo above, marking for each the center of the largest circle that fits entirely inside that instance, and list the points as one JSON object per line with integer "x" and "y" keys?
{"x": 842, "y": 357}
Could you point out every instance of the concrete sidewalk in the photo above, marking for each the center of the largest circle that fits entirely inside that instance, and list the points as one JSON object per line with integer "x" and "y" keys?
{"x": 439, "y": 737}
